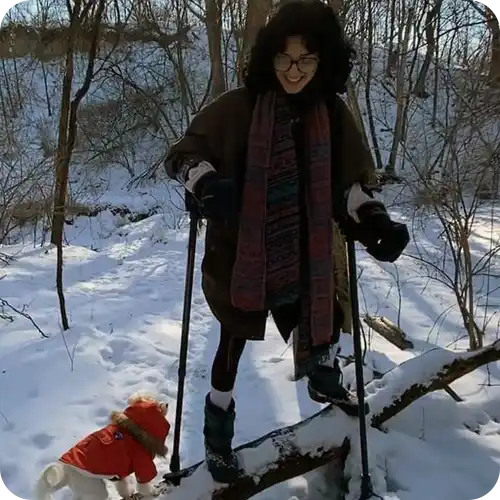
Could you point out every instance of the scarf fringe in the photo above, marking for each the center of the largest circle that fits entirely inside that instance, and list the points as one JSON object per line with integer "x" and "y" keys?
{"x": 318, "y": 355}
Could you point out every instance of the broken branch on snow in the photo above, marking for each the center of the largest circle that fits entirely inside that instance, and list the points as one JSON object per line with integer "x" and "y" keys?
{"x": 324, "y": 437}
{"x": 391, "y": 332}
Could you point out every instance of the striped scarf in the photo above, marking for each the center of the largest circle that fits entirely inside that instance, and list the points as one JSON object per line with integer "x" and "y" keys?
{"x": 267, "y": 271}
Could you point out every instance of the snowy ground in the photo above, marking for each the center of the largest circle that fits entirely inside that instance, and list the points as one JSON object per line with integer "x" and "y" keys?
{"x": 124, "y": 289}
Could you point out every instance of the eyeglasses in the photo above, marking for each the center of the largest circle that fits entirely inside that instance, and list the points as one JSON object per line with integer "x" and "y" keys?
{"x": 305, "y": 64}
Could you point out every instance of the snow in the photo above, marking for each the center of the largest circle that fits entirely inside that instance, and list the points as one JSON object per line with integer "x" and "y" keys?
{"x": 124, "y": 290}
{"x": 380, "y": 393}
{"x": 124, "y": 286}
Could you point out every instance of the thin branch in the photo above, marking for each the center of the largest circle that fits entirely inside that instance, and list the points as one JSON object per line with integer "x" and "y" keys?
{"x": 25, "y": 315}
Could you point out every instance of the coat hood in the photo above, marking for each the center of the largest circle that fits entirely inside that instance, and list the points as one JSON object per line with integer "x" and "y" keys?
{"x": 145, "y": 422}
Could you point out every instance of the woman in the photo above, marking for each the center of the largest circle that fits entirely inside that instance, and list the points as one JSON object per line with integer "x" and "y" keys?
{"x": 269, "y": 165}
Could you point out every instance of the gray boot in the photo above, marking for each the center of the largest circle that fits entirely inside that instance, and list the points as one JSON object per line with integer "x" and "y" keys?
{"x": 325, "y": 386}
{"x": 221, "y": 460}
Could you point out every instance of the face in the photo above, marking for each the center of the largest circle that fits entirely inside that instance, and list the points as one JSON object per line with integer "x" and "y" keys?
{"x": 295, "y": 67}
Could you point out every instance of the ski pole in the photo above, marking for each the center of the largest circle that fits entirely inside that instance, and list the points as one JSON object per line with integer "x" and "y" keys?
{"x": 174, "y": 478}
{"x": 366, "y": 483}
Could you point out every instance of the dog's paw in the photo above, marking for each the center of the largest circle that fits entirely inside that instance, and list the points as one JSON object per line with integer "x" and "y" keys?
{"x": 157, "y": 491}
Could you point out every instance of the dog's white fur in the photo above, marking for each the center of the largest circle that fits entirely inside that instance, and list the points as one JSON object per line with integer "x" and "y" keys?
{"x": 83, "y": 484}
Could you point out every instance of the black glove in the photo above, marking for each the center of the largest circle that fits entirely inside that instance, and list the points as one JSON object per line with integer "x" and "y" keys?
{"x": 383, "y": 238}
{"x": 216, "y": 197}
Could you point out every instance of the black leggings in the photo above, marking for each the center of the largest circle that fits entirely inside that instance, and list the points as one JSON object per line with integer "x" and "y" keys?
{"x": 227, "y": 358}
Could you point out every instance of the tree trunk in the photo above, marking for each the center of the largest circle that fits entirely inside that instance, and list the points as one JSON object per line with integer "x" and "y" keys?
{"x": 494, "y": 27}
{"x": 430, "y": 27}
{"x": 67, "y": 133}
{"x": 324, "y": 437}
{"x": 62, "y": 151}
{"x": 61, "y": 186}
{"x": 369, "y": 79}
{"x": 214, "y": 31}
{"x": 401, "y": 98}
{"x": 392, "y": 58}
{"x": 256, "y": 15}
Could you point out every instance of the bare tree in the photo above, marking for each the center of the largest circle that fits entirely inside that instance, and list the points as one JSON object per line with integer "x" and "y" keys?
{"x": 368, "y": 88}
{"x": 453, "y": 189}
{"x": 79, "y": 13}
{"x": 401, "y": 93}
{"x": 256, "y": 13}
{"x": 214, "y": 32}
{"x": 430, "y": 27}
{"x": 494, "y": 27}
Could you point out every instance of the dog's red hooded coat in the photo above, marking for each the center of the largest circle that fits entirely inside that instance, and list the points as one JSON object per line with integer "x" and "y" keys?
{"x": 126, "y": 446}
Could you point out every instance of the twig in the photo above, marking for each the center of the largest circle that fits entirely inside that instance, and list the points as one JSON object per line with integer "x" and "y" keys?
{"x": 25, "y": 315}
{"x": 4, "y": 417}
{"x": 5, "y": 258}
{"x": 71, "y": 357}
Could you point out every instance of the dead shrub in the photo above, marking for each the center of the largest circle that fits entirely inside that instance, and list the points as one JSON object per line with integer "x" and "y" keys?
{"x": 33, "y": 211}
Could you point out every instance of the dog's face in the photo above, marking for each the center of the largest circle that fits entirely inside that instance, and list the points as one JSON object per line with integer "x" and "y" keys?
{"x": 164, "y": 409}
{"x": 140, "y": 397}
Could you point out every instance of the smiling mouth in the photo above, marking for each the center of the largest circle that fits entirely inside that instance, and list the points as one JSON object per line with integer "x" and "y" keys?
{"x": 295, "y": 79}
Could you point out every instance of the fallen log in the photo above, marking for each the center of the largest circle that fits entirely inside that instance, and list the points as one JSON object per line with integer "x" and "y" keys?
{"x": 397, "y": 337}
{"x": 387, "y": 329}
{"x": 429, "y": 372}
{"x": 276, "y": 457}
{"x": 325, "y": 436}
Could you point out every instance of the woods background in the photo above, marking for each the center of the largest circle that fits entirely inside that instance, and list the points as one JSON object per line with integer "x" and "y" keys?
{"x": 92, "y": 92}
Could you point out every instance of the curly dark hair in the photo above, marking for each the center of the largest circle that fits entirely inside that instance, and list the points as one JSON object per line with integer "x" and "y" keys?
{"x": 322, "y": 33}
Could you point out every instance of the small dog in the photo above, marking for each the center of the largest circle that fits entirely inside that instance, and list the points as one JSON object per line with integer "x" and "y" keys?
{"x": 126, "y": 446}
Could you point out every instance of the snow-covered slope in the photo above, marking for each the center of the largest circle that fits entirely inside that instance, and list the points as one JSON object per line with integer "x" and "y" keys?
{"x": 125, "y": 304}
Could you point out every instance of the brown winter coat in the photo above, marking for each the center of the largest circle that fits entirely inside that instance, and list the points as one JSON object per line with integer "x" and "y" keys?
{"x": 218, "y": 134}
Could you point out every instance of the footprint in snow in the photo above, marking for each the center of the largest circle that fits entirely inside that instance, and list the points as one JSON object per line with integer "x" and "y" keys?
{"x": 275, "y": 359}
{"x": 42, "y": 441}
{"x": 121, "y": 350}
{"x": 101, "y": 412}
{"x": 85, "y": 402}
{"x": 165, "y": 352}
{"x": 33, "y": 393}
{"x": 9, "y": 426}
{"x": 106, "y": 355}
{"x": 9, "y": 472}
{"x": 198, "y": 316}
{"x": 131, "y": 382}
{"x": 200, "y": 373}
